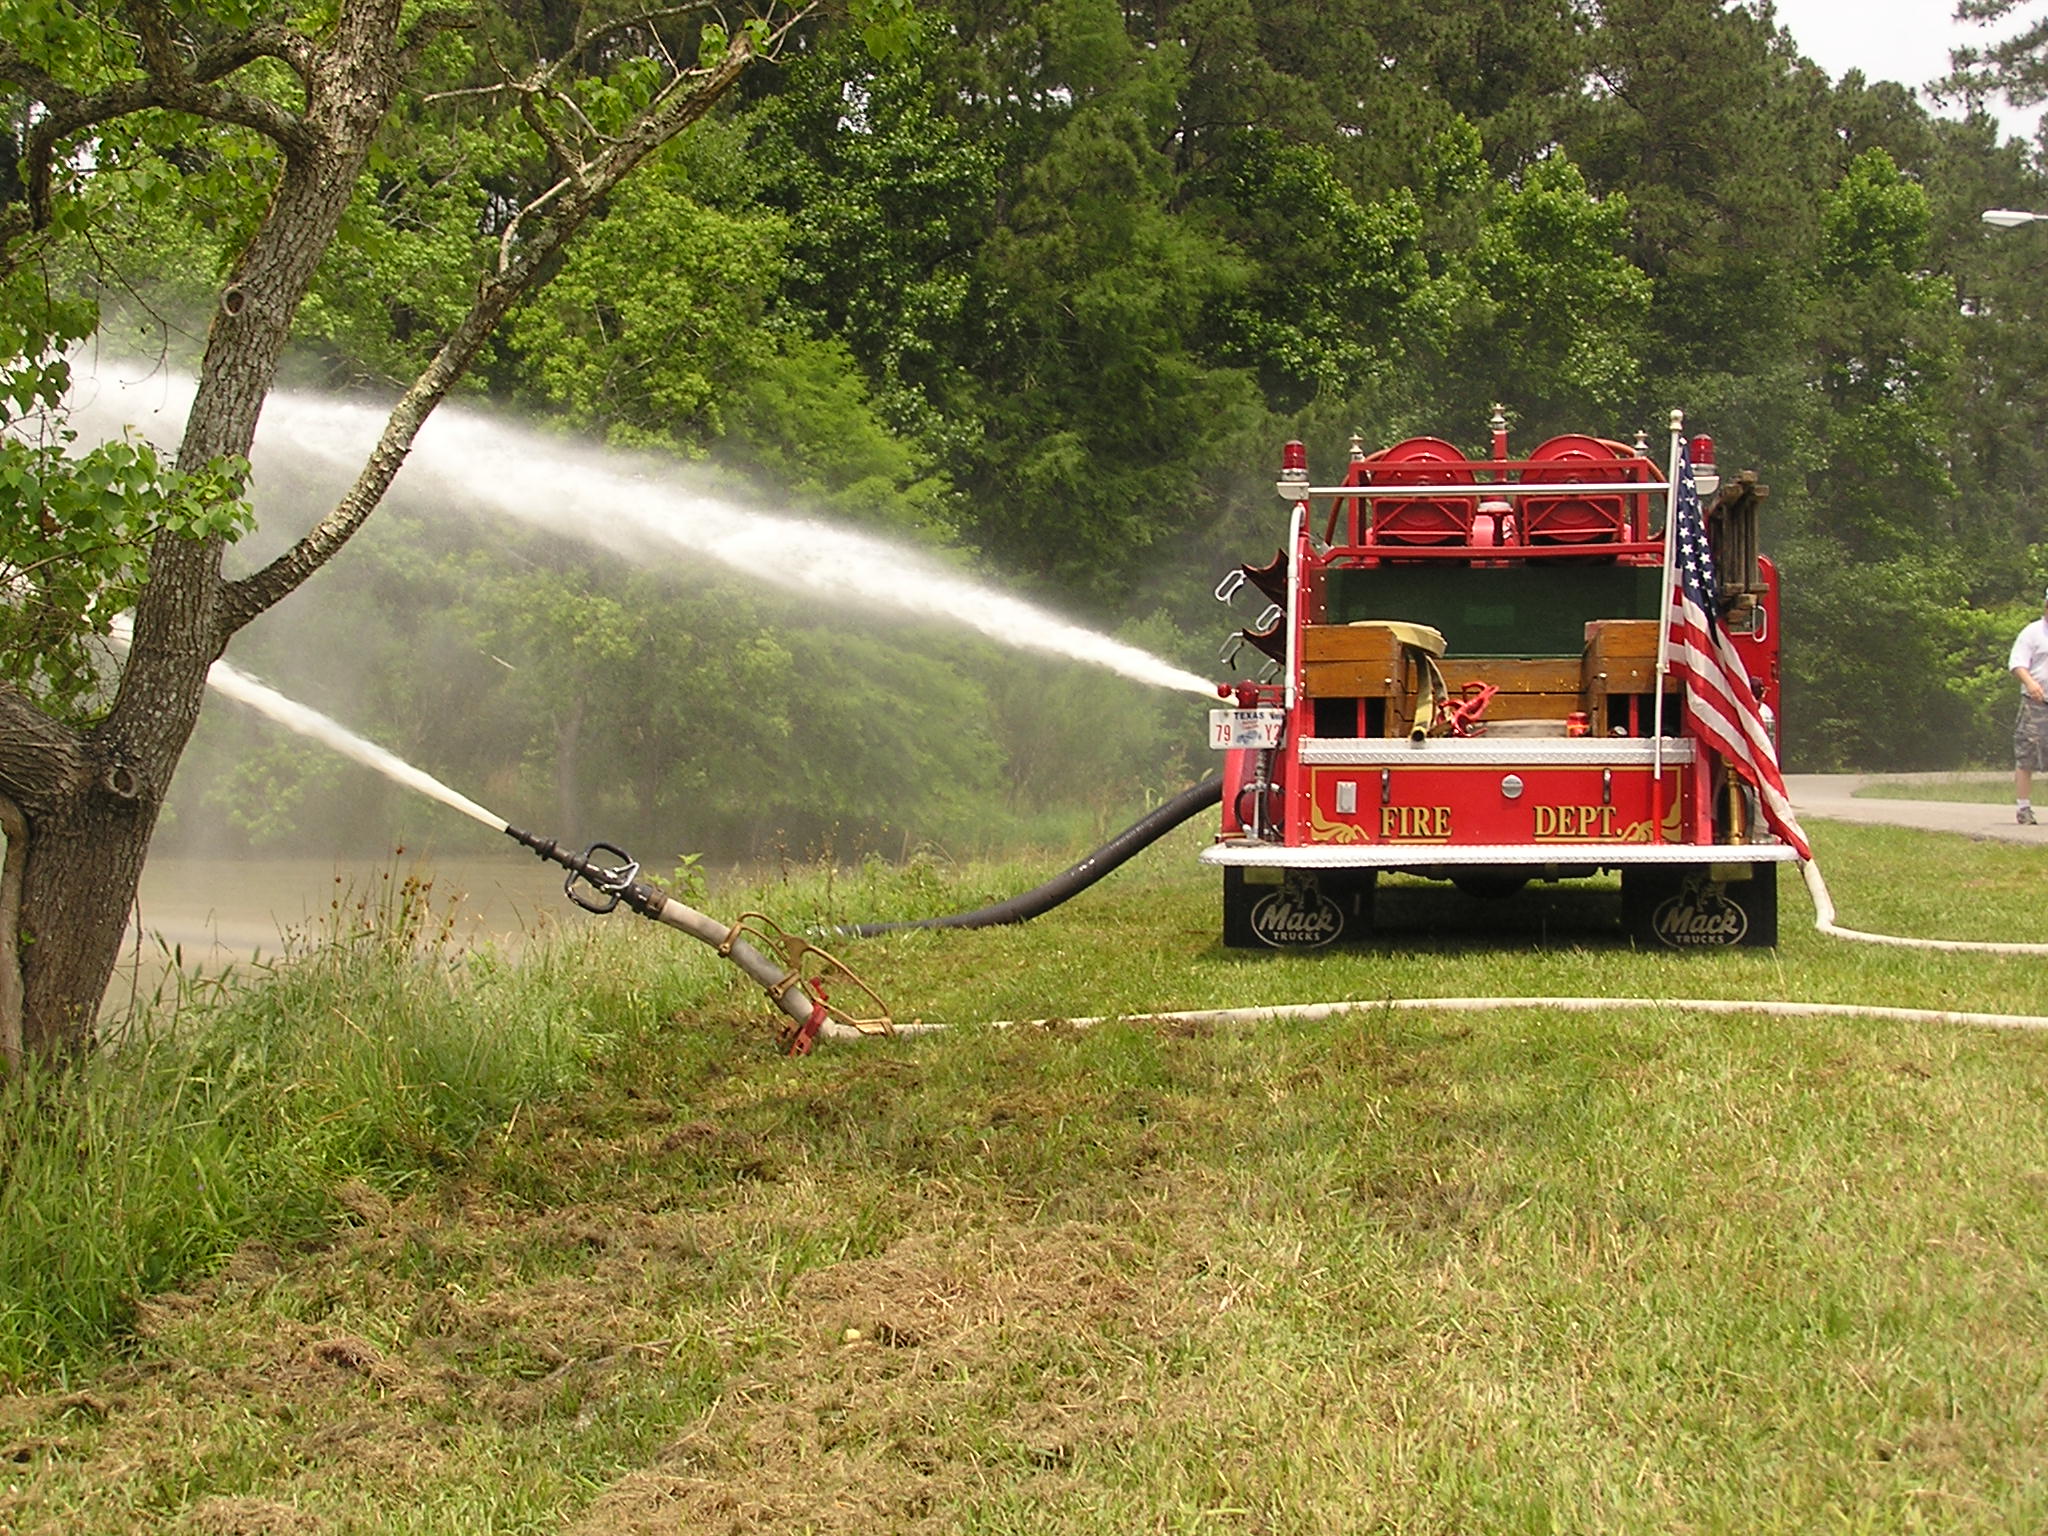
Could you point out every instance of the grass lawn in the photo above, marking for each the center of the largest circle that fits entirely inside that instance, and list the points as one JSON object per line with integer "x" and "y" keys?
{"x": 1970, "y": 788}
{"x": 1646, "y": 1270}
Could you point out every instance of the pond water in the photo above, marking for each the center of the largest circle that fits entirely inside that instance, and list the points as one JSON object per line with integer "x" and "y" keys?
{"x": 239, "y": 908}
{"x": 206, "y": 915}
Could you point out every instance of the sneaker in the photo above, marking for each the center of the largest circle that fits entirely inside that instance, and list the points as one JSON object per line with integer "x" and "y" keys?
{"x": 2026, "y": 816}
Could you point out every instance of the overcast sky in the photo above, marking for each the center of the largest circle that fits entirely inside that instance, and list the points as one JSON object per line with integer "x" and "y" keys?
{"x": 1903, "y": 40}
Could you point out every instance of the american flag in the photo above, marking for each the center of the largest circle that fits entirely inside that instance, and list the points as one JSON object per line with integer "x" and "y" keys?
{"x": 1722, "y": 708}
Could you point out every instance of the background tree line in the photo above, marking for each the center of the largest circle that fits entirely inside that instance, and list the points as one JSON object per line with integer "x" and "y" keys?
{"x": 1046, "y": 289}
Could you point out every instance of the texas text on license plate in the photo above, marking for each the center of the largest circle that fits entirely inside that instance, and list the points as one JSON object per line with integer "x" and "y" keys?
{"x": 1230, "y": 729}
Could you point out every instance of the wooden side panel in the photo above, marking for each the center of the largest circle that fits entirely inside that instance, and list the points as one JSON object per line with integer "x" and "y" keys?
{"x": 1353, "y": 679}
{"x": 1545, "y": 676}
{"x": 1621, "y": 655}
{"x": 1349, "y": 642}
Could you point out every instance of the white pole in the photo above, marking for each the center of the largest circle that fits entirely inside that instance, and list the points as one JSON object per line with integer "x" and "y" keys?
{"x": 1664, "y": 627}
{"x": 1296, "y": 525}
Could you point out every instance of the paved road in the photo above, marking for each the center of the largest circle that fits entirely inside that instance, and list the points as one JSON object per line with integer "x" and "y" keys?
{"x": 1831, "y": 797}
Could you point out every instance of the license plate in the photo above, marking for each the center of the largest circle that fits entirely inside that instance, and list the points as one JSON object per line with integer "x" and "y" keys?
{"x": 1235, "y": 729}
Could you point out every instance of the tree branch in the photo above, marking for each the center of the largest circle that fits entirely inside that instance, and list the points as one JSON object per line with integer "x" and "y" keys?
{"x": 153, "y": 32}
{"x": 269, "y": 40}
{"x": 212, "y": 62}
{"x": 18, "y": 71}
{"x": 168, "y": 83}
{"x": 608, "y": 29}
{"x": 574, "y": 199}
{"x": 557, "y": 146}
{"x": 425, "y": 28}
{"x": 41, "y": 760}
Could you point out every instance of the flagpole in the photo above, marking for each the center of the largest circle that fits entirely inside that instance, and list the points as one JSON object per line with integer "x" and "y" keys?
{"x": 1664, "y": 629}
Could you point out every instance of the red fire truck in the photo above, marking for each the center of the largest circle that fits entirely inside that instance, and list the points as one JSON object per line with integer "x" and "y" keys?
{"x": 1458, "y": 678}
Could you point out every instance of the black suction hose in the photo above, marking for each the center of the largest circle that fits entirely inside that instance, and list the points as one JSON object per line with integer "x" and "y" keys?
{"x": 1072, "y": 881}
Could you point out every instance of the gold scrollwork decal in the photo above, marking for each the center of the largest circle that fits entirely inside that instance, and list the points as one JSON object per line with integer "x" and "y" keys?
{"x": 1323, "y": 830}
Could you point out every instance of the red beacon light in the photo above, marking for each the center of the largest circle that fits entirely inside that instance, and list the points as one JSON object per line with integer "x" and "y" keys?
{"x": 1293, "y": 469}
{"x": 1706, "y": 479}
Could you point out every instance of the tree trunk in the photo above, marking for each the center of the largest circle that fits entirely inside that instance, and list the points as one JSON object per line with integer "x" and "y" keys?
{"x": 87, "y": 836}
{"x": 14, "y": 830}
{"x": 78, "y": 887}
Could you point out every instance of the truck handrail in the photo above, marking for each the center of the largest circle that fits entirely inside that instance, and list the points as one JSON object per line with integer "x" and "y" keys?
{"x": 1294, "y": 491}
{"x": 1336, "y": 554}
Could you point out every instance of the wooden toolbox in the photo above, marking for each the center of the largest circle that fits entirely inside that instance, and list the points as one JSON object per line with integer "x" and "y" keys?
{"x": 1621, "y": 656}
{"x": 1352, "y": 661}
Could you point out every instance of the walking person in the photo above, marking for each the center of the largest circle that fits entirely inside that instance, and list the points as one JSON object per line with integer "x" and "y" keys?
{"x": 2029, "y": 663}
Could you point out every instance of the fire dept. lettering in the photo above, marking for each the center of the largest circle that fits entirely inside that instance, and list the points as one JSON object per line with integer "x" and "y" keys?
{"x": 1415, "y": 823}
{"x": 1297, "y": 916}
{"x": 1575, "y": 821}
{"x": 1700, "y": 913}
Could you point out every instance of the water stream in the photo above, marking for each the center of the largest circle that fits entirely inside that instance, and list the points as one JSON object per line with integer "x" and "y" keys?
{"x": 231, "y": 682}
{"x": 643, "y": 511}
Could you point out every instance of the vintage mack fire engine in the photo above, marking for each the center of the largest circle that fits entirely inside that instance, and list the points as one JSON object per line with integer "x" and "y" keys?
{"x": 1459, "y": 678}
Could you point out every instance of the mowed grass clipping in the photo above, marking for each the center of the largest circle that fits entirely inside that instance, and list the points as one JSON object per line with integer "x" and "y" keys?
{"x": 1645, "y": 1270}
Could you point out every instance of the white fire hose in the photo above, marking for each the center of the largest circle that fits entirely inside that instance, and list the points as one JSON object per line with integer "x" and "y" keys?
{"x": 1824, "y": 922}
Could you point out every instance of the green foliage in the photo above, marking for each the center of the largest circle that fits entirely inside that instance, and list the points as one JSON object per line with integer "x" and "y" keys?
{"x": 887, "y": 197}
{"x": 2014, "y": 66}
{"x": 75, "y": 528}
{"x": 653, "y": 319}
{"x": 1049, "y": 280}
{"x": 269, "y": 791}
{"x": 806, "y": 422}
{"x": 1049, "y": 724}
{"x": 1875, "y": 221}
{"x": 888, "y": 28}
{"x": 1885, "y": 342}
{"x": 1341, "y": 285}
{"x": 1031, "y": 304}
{"x": 659, "y": 333}
{"x": 1889, "y": 600}
{"x": 1557, "y": 308}
{"x": 397, "y": 279}
{"x": 1723, "y": 145}
{"x": 1107, "y": 407}
{"x": 1911, "y": 676}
